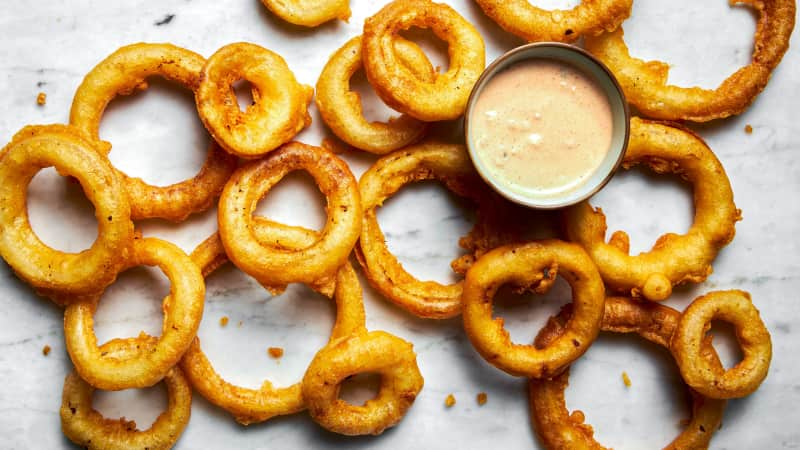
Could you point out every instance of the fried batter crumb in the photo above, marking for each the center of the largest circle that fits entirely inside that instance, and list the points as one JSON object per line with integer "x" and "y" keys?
{"x": 275, "y": 352}
{"x": 626, "y": 379}
{"x": 449, "y": 401}
{"x": 748, "y": 129}
{"x": 482, "y": 398}
{"x": 41, "y": 99}
{"x": 46, "y": 350}
{"x": 223, "y": 321}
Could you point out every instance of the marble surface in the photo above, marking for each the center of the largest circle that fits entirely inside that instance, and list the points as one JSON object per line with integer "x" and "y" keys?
{"x": 49, "y": 45}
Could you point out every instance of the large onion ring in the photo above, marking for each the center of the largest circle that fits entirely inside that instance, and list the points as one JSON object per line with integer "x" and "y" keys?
{"x": 341, "y": 110}
{"x": 645, "y": 82}
{"x": 183, "y": 309}
{"x": 589, "y": 18}
{"x": 279, "y": 109}
{"x": 736, "y": 308}
{"x": 674, "y": 259}
{"x": 558, "y": 429}
{"x": 123, "y": 72}
{"x": 309, "y": 13}
{"x": 375, "y": 352}
{"x": 533, "y": 266}
{"x": 46, "y": 269}
{"x": 446, "y": 97}
{"x": 271, "y": 265}
{"x": 257, "y": 405}
{"x": 87, "y": 428}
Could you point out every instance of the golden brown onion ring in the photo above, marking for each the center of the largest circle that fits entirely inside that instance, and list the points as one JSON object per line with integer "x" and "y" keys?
{"x": 736, "y": 308}
{"x": 183, "y": 309}
{"x": 645, "y": 82}
{"x": 87, "y": 428}
{"x": 309, "y": 13}
{"x": 589, "y": 18}
{"x": 532, "y": 266}
{"x": 279, "y": 109}
{"x": 674, "y": 259}
{"x": 50, "y": 271}
{"x": 341, "y": 110}
{"x": 375, "y": 352}
{"x": 446, "y": 97}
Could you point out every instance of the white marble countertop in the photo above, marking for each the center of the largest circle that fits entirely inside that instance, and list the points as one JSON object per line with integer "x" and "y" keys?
{"x": 49, "y": 45}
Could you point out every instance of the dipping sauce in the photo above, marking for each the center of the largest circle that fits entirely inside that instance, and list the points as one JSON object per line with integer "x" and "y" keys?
{"x": 541, "y": 127}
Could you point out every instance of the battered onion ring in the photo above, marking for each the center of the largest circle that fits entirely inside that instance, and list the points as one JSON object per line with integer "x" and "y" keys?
{"x": 590, "y": 18}
{"x": 257, "y": 405}
{"x": 341, "y": 110}
{"x": 558, "y": 429}
{"x": 446, "y": 97}
{"x": 449, "y": 164}
{"x": 183, "y": 309}
{"x": 736, "y": 308}
{"x": 375, "y": 352}
{"x": 674, "y": 259}
{"x": 87, "y": 428}
{"x": 309, "y": 13}
{"x": 279, "y": 109}
{"x": 267, "y": 262}
{"x": 123, "y": 72}
{"x": 645, "y": 83}
{"x": 48, "y": 270}
{"x": 533, "y": 266}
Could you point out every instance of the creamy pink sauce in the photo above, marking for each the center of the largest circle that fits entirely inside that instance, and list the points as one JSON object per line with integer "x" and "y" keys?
{"x": 541, "y": 128}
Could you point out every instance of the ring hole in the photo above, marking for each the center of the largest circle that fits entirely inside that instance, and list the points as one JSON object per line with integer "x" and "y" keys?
{"x": 725, "y": 343}
{"x": 636, "y": 201}
{"x": 243, "y": 90}
{"x": 525, "y": 314}
{"x": 434, "y": 47}
{"x": 142, "y": 406}
{"x": 295, "y": 200}
{"x": 361, "y": 388}
{"x": 59, "y": 212}
{"x": 132, "y": 304}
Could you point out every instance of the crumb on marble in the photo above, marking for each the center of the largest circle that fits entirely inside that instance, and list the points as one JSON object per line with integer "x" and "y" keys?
{"x": 41, "y": 99}
{"x": 275, "y": 352}
{"x": 46, "y": 350}
{"x": 482, "y": 398}
{"x": 223, "y": 321}
{"x": 748, "y": 129}
{"x": 449, "y": 401}
{"x": 626, "y": 379}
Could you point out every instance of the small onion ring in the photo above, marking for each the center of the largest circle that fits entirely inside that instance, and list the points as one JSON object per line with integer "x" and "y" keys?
{"x": 533, "y": 266}
{"x": 271, "y": 265}
{"x": 589, "y": 18}
{"x": 183, "y": 309}
{"x": 309, "y": 13}
{"x": 279, "y": 109}
{"x": 257, "y": 405}
{"x": 558, "y": 429}
{"x": 734, "y": 307}
{"x": 341, "y": 109}
{"x": 674, "y": 259}
{"x": 123, "y": 72}
{"x": 645, "y": 82}
{"x": 86, "y": 427}
{"x": 446, "y": 97}
{"x": 51, "y": 271}
{"x": 374, "y": 352}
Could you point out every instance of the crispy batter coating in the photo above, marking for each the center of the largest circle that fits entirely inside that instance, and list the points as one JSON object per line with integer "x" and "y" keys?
{"x": 309, "y": 13}
{"x": 482, "y": 398}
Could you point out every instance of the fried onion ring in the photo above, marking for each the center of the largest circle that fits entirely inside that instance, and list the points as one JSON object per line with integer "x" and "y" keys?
{"x": 279, "y": 109}
{"x": 446, "y": 96}
{"x": 645, "y": 82}
{"x": 341, "y": 110}
{"x": 309, "y": 13}
{"x": 558, "y": 429}
{"x": 375, "y": 352}
{"x": 257, "y": 405}
{"x": 674, "y": 259}
{"x": 590, "y": 18}
{"x": 532, "y": 266}
{"x": 87, "y": 428}
{"x": 734, "y": 307}
{"x": 51, "y": 271}
{"x": 183, "y": 309}
{"x": 123, "y": 72}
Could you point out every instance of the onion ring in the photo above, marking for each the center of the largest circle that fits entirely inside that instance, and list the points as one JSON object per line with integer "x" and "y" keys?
{"x": 257, "y": 405}
{"x": 446, "y": 97}
{"x": 558, "y": 429}
{"x": 341, "y": 110}
{"x": 87, "y": 428}
{"x": 589, "y": 18}
{"x": 123, "y": 72}
{"x": 309, "y": 13}
{"x": 734, "y": 307}
{"x": 279, "y": 109}
{"x": 183, "y": 309}
{"x": 376, "y": 352}
{"x": 51, "y": 271}
{"x": 645, "y": 83}
{"x": 674, "y": 259}
{"x": 267, "y": 262}
{"x": 533, "y": 266}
